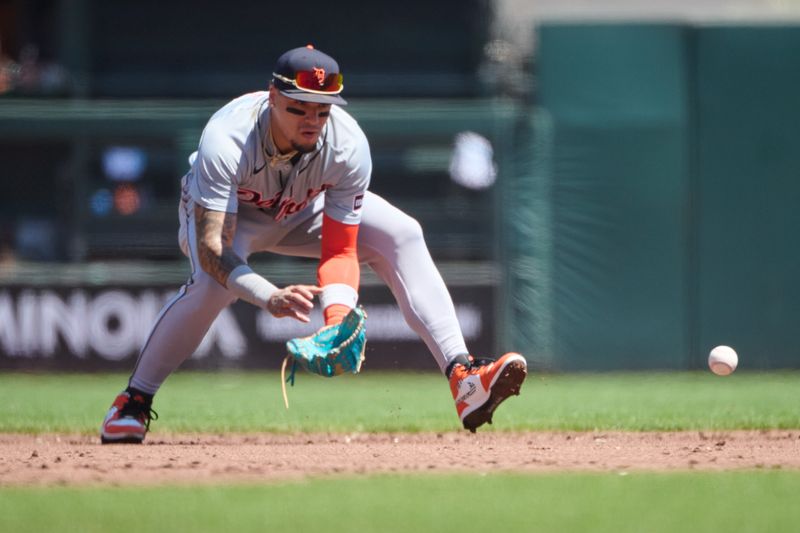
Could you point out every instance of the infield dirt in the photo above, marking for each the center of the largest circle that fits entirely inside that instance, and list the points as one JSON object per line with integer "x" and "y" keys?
{"x": 52, "y": 460}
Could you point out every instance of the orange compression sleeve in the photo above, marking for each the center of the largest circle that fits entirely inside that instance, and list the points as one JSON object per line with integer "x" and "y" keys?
{"x": 338, "y": 265}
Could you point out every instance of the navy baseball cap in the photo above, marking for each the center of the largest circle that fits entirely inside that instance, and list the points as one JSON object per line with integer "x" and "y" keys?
{"x": 308, "y": 75}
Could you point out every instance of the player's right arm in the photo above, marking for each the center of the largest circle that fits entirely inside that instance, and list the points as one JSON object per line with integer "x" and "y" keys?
{"x": 215, "y": 231}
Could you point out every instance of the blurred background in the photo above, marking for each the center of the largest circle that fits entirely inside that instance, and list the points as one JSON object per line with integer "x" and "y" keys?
{"x": 604, "y": 184}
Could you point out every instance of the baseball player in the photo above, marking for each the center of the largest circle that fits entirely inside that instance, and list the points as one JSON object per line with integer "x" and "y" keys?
{"x": 286, "y": 171}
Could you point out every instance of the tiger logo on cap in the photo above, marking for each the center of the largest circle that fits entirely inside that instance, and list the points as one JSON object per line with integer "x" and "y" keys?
{"x": 319, "y": 73}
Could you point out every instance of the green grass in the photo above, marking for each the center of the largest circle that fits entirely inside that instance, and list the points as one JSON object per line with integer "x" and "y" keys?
{"x": 375, "y": 401}
{"x": 730, "y": 502}
{"x": 758, "y": 501}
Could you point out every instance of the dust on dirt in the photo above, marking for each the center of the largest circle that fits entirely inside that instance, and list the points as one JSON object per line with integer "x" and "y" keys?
{"x": 52, "y": 460}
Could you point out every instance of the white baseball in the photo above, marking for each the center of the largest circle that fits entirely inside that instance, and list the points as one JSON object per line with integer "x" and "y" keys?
{"x": 723, "y": 360}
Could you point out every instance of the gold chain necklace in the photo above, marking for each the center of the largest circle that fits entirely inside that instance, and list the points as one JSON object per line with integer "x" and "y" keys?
{"x": 278, "y": 159}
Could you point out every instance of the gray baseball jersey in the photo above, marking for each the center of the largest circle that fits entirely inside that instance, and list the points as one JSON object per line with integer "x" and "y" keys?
{"x": 233, "y": 168}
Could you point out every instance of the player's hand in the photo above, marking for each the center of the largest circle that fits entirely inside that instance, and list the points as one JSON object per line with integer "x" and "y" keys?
{"x": 295, "y": 301}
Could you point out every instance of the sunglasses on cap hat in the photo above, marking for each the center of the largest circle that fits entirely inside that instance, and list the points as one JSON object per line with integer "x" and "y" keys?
{"x": 309, "y": 75}
{"x": 314, "y": 81}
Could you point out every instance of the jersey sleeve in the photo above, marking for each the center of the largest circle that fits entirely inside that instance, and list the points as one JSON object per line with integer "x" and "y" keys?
{"x": 343, "y": 201}
{"x": 215, "y": 170}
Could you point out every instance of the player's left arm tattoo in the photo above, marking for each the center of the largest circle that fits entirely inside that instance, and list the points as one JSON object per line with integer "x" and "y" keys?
{"x": 215, "y": 231}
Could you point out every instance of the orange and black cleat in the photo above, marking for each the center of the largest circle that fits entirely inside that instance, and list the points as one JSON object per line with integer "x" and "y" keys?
{"x": 128, "y": 420}
{"x": 483, "y": 385}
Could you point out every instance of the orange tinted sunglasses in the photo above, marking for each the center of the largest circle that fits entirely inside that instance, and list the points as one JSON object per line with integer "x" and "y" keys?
{"x": 311, "y": 81}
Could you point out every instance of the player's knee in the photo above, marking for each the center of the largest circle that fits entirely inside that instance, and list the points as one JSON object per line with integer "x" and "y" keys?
{"x": 408, "y": 231}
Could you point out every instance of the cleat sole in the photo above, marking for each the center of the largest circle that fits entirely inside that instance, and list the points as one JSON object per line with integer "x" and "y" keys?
{"x": 123, "y": 440}
{"x": 508, "y": 384}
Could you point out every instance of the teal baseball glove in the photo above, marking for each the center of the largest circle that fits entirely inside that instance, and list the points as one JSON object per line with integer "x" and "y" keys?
{"x": 331, "y": 351}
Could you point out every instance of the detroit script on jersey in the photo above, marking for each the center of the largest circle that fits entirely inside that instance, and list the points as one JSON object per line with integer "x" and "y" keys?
{"x": 281, "y": 207}
{"x": 232, "y": 165}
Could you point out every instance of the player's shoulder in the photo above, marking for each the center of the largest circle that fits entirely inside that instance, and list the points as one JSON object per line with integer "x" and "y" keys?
{"x": 344, "y": 130}
{"x": 234, "y": 123}
{"x": 344, "y": 120}
{"x": 241, "y": 112}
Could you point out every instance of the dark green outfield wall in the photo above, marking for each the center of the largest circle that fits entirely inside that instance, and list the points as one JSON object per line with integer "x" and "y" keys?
{"x": 748, "y": 191}
{"x": 661, "y": 174}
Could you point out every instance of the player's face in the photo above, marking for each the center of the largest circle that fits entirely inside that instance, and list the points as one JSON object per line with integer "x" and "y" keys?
{"x": 296, "y": 125}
